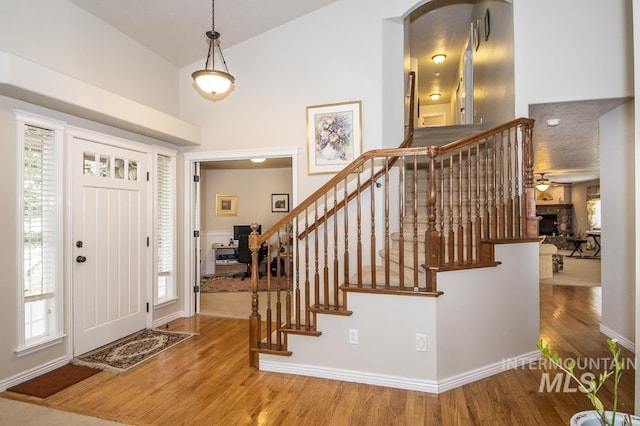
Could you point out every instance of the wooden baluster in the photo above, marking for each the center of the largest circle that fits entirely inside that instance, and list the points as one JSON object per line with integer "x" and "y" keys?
{"x": 255, "y": 323}
{"x": 345, "y": 268}
{"x": 487, "y": 205}
{"x": 460, "y": 232}
{"x": 494, "y": 187}
{"x": 297, "y": 273}
{"x": 415, "y": 223}
{"x": 326, "y": 257}
{"x": 372, "y": 247}
{"x": 278, "y": 321}
{"x": 529, "y": 193}
{"x": 469, "y": 227}
{"x": 307, "y": 283}
{"x": 501, "y": 204}
{"x": 387, "y": 237}
{"x": 479, "y": 213}
{"x": 336, "y": 262}
{"x": 442, "y": 216}
{"x": 269, "y": 336}
{"x": 358, "y": 230}
{"x": 316, "y": 261}
{"x": 432, "y": 240}
{"x": 517, "y": 223}
{"x": 450, "y": 212}
{"x": 510, "y": 228}
{"x": 402, "y": 189}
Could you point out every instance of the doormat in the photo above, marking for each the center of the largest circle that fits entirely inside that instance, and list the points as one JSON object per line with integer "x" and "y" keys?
{"x": 227, "y": 284}
{"x": 132, "y": 350}
{"x": 54, "y": 381}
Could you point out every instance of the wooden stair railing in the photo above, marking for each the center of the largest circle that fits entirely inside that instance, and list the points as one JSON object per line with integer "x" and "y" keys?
{"x": 362, "y": 232}
{"x": 466, "y": 196}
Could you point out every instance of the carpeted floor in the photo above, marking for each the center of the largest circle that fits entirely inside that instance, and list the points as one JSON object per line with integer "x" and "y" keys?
{"x": 230, "y": 284}
{"x": 577, "y": 272}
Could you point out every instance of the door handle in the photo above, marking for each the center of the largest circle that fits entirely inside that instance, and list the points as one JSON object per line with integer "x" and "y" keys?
{"x": 81, "y": 259}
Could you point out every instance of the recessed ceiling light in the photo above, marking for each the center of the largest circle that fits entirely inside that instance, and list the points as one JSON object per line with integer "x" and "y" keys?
{"x": 439, "y": 58}
{"x": 258, "y": 159}
{"x": 435, "y": 96}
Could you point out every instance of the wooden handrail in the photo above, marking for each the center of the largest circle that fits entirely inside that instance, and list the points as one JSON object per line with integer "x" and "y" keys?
{"x": 345, "y": 172}
{"x": 479, "y": 190}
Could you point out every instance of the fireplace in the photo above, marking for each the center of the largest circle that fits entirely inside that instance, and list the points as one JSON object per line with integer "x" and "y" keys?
{"x": 555, "y": 218}
{"x": 548, "y": 224}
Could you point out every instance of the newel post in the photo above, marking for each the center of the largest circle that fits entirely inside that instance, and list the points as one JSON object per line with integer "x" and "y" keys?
{"x": 531, "y": 224}
{"x": 432, "y": 237}
{"x": 254, "y": 319}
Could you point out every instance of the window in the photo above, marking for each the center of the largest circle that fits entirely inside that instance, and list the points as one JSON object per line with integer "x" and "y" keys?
{"x": 593, "y": 206}
{"x": 165, "y": 228}
{"x": 40, "y": 251}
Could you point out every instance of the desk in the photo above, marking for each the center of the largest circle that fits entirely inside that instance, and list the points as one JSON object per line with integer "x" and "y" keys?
{"x": 226, "y": 267}
{"x": 596, "y": 238}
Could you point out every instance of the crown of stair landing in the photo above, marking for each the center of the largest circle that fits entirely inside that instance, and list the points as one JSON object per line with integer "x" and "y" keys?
{"x": 442, "y": 135}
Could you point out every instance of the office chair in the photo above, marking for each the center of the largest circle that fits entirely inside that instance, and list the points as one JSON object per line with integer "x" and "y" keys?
{"x": 244, "y": 256}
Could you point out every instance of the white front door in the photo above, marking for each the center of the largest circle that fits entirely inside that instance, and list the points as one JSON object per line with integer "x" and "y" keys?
{"x": 110, "y": 253}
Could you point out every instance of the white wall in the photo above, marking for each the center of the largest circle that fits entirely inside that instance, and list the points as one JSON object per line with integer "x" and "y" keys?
{"x": 484, "y": 317}
{"x": 65, "y": 38}
{"x": 636, "y": 180}
{"x": 558, "y": 63}
{"x": 618, "y": 223}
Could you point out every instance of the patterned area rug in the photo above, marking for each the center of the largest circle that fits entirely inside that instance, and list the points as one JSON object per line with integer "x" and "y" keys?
{"x": 132, "y": 350}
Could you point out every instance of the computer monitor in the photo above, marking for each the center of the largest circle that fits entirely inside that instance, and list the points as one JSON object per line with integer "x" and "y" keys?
{"x": 243, "y": 230}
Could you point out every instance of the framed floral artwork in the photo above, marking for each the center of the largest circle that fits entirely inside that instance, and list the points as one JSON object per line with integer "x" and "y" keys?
{"x": 226, "y": 205}
{"x": 334, "y": 137}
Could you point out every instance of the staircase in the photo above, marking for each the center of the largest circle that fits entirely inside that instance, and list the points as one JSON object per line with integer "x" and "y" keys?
{"x": 389, "y": 223}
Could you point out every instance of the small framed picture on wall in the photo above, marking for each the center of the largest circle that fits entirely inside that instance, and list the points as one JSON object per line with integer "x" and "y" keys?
{"x": 280, "y": 203}
{"x": 226, "y": 205}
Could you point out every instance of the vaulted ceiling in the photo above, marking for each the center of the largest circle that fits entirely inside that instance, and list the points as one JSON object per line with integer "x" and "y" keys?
{"x": 175, "y": 30}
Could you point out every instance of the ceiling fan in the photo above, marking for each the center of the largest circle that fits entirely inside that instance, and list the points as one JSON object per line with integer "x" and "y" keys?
{"x": 543, "y": 183}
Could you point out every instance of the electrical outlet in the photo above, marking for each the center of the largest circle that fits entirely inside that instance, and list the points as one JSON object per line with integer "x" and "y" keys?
{"x": 421, "y": 342}
{"x": 353, "y": 336}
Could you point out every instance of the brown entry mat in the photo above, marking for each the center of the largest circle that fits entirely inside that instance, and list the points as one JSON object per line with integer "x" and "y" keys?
{"x": 54, "y": 381}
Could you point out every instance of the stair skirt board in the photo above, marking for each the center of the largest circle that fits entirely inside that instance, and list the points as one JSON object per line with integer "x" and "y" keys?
{"x": 270, "y": 363}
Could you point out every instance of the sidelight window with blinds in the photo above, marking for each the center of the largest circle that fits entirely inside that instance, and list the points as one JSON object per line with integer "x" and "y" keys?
{"x": 165, "y": 229}
{"x": 40, "y": 251}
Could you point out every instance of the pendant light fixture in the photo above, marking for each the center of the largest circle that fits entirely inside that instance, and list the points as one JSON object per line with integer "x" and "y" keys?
{"x": 210, "y": 80}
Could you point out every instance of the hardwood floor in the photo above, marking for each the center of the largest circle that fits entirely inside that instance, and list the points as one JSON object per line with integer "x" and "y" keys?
{"x": 206, "y": 380}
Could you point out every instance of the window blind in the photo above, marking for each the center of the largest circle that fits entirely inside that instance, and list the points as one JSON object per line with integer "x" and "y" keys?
{"x": 165, "y": 215}
{"x": 40, "y": 224}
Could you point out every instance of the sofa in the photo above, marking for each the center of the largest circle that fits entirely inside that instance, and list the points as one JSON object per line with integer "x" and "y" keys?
{"x": 547, "y": 252}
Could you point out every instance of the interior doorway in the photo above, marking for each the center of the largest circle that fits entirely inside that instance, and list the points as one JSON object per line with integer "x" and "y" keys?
{"x": 198, "y": 256}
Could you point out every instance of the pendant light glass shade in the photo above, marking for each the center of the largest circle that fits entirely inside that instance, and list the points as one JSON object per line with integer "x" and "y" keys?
{"x": 210, "y": 80}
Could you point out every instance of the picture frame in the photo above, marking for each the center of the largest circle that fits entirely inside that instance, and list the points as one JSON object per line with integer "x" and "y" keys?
{"x": 226, "y": 205}
{"x": 487, "y": 25}
{"x": 279, "y": 203}
{"x": 334, "y": 136}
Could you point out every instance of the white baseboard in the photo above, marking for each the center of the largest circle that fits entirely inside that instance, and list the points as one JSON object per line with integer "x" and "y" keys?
{"x": 34, "y": 372}
{"x": 165, "y": 320}
{"x": 428, "y": 386}
{"x": 623, "y": 341}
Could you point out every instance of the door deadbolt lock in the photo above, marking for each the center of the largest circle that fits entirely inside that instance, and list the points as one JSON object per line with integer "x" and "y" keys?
{"x": 81, "y": 259}
{"x": 79, "y": 244}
